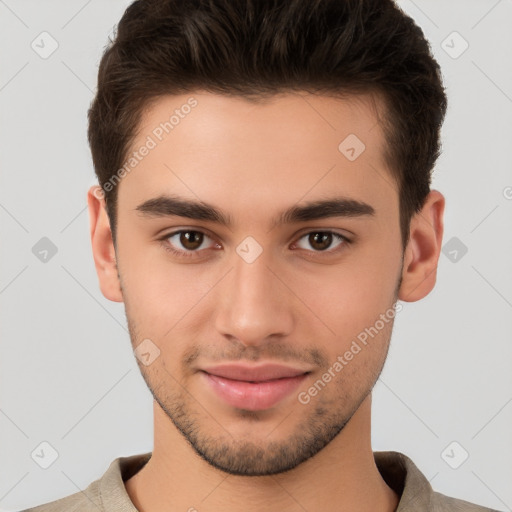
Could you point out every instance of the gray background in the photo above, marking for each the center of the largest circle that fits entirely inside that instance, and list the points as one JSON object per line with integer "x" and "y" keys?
{"x": 67, "y": 373}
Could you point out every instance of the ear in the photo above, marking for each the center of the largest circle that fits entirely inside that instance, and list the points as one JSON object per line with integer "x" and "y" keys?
{"x": 423, "y": 249}
{"x": 103, "y": 246}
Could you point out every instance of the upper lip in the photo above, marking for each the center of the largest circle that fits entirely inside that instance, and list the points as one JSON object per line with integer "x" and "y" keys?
{"x": 262, "y": 372}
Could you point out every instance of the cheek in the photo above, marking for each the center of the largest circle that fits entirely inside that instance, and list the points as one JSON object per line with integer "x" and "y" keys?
{"x": 158, "y": 293}
{"x": 162, "y": 299}
{"x": 353, "y": 368}
{"x": 350, "y": 296}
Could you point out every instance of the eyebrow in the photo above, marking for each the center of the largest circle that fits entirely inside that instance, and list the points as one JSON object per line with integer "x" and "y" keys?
{"x": 168, "y": 206}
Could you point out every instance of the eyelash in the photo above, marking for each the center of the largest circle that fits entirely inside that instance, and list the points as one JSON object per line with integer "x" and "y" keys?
{"x": 192, "y": 254}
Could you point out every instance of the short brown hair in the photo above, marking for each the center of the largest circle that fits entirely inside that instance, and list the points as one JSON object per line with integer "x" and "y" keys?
{"x": 259, "y": 48}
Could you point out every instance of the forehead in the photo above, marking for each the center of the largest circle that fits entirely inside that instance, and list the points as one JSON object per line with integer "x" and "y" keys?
{"x": 228, "y": 150}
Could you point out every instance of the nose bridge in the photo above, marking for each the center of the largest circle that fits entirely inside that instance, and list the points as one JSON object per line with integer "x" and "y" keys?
{"x": 253, "y": 305}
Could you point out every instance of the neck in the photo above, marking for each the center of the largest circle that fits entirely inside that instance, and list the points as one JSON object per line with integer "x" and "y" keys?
{"x": 342, "y": 476}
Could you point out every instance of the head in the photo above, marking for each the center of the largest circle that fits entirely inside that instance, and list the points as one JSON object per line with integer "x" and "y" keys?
{"x": 327, "y": 110}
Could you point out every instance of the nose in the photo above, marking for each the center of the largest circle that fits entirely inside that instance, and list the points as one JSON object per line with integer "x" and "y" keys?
{"x": 254, "y": 303}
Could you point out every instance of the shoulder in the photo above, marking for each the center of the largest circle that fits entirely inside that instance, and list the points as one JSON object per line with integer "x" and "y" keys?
{"x": 88, "y": 500}
{"x": 442, "y": 503}
{"x": 108, "y": 493}
{"x": 415, "y": 492}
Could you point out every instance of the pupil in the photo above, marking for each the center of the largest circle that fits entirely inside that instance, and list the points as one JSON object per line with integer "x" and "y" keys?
{"x": 191, "y": 239}
{"x": 319, "y": 239}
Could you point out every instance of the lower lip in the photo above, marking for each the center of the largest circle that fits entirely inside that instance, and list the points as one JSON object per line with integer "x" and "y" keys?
{"x": 253, "y": 396}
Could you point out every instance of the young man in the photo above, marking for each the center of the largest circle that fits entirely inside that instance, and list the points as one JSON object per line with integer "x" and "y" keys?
{"x": 264, "y": 202}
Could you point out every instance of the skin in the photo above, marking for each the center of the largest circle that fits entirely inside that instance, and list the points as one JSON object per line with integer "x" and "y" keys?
{"x": 294, "y": 304}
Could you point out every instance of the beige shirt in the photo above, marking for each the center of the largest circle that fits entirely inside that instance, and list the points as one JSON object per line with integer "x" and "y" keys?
{"x": 108, "y": 494}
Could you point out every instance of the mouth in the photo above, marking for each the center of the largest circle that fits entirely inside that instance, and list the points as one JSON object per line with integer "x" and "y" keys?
{"x": 253, "y": 388}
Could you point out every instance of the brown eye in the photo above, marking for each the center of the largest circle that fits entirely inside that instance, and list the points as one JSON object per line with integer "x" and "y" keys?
{"x": 187, "y": 242}
{"x": 191, "y": 240}
{"x": 322, "y": 241}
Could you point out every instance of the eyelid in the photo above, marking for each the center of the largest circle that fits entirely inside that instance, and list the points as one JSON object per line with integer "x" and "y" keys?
{"x": 347, "y": 235}
{"x": 164, "y": 239}
{"x": 344, "y": 240}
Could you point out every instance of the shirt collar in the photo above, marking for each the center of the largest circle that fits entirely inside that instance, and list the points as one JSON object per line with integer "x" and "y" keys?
{"x": 398, "y": 471}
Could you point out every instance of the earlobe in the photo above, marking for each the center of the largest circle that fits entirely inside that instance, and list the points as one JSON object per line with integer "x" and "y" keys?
{"x": 422, "y": 253}
{"x": 103, "y": 246}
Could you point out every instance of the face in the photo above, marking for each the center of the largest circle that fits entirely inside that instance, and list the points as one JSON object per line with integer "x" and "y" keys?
{"x": 252, "y": 235}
